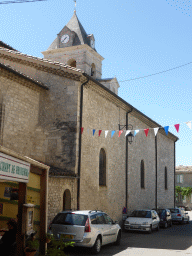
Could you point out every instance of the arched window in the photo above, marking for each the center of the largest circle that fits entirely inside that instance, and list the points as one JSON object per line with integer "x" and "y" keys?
{"x": 72, "y": 63}
{"x": 93, "y": 70}
{"x": 66, "y": 200}
{"x": 142, "y": 174}
{"x": 165, "y": 177}
{"x": 102, "y": 168}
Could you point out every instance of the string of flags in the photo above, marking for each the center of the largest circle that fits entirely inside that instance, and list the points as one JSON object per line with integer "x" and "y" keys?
{"x": 146, "y": 131}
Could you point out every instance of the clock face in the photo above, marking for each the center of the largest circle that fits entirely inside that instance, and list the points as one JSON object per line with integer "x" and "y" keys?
{"x": 65, "y": 39}
{"x": 92, "y": 43}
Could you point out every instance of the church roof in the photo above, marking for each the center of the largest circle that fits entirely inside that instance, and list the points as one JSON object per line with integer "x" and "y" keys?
{"x": 4, "y": 45}
{"x": 16, "y": 72}
{"x": 74, "y": 25}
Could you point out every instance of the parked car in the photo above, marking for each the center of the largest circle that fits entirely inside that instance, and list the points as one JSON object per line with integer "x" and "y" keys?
{"x": 165, "y": 217}
{"x": 86, "y": 228}
{"x": 142, "y": 220}
{"x": 179, "y": 215}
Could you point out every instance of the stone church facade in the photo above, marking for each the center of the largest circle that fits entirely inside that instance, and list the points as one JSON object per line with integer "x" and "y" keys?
{"x": 46, "y": 103}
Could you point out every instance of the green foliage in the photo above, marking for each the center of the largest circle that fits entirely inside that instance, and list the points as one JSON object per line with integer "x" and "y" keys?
{"x": 49, "y": 236}
{"x": 56, "y": 247}
{"x": 184, "y": 191}
{"x": 32, "y": 245}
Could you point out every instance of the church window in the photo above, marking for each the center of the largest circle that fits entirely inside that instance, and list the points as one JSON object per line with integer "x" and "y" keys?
{"x": 142, "y": 174}
{"x": 165, "y": 177}
{"x": 93, "y": 70}
{"x": 72, "y": 63}
{"x": 102, "y": 168}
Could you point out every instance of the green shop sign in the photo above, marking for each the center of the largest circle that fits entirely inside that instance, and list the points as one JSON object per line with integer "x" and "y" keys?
{"x": 13, "y": 169}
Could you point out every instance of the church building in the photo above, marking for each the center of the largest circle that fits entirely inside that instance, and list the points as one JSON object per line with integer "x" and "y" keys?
{"x": 73, "y": 120}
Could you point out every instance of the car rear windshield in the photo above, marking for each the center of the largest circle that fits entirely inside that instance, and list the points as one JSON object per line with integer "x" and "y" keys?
{"x": 174, "y": 210}
{"x": 141, "y": 214}
{"x": 70, "y": 219}
{"x": 161, "y": 212}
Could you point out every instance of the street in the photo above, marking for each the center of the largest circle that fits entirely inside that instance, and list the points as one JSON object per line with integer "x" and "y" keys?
{"x": 176, "y": 240}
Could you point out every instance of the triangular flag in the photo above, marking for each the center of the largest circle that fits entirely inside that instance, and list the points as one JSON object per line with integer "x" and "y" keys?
{"x": 93, "y": 132}
{"x": 127, "y": 132}
{"x": 188, "y": 124}
{"x": 166, "y": 128}
{"x": 82, "y": 130}
{"x": 87, "y": 131}
{"x": 156, "y": 130}
{"x": 146, "y": 131}
{"x": 120, "y": 133}
{"x": 100, "y": 132}
{"x": 177, "y": 127}
{"x": 136, "y": 131}
{"x": 112, "y": 133}
{"x": 106, "y": 132}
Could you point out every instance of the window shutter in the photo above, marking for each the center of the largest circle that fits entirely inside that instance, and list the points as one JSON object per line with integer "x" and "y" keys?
{"x": 181, "y": 178}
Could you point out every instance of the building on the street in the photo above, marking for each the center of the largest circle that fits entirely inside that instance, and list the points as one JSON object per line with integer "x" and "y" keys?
{"x": 183, "y": 179}
{"x": 65, "y": 114}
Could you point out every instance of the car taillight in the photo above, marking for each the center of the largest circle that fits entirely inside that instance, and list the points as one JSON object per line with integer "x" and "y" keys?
{"x": 50, "y": 226}
{"x": 179, "y": 215}
{"x": 87, "y": 226}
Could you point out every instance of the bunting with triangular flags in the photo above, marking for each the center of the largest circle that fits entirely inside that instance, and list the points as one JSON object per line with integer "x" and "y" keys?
{"x": 156, "y": 130}
{"x": 99, "y": 132}
{"x": 112, "y": 133}
{"x": 166, "y": 128}
{"x": 177, "y": 127}
{"x": 146, "y": 131}
{"x": 120, "y": 133}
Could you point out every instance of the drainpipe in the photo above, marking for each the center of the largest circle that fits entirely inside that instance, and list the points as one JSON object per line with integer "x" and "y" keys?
{"x": 174, "y": 174}
{"x": 79, "y": 158}
{"x": 126, "y": 162}
{"x": 156, "y": 172}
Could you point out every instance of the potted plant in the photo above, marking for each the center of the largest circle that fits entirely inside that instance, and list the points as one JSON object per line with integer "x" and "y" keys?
{"x": 57, "y": 246}
{"x": 49, "y": 237}
{"x": 31, "y": 248}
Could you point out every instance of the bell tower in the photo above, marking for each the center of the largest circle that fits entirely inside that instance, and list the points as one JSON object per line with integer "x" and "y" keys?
{"x": 74, "y": 47}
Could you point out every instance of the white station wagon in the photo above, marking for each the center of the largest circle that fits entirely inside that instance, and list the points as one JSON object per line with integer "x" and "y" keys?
{"x": 86, "y": 228}
{"x": 142, "y": 220}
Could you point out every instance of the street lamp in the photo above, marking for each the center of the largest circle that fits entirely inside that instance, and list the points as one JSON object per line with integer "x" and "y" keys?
{"x": 130, "y": 135}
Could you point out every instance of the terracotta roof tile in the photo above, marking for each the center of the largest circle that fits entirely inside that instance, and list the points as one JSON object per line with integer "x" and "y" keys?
{"x": 56, "y": 63}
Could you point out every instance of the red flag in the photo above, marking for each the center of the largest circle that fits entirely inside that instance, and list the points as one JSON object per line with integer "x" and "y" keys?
{"x": 146, "y": 131}
{"x": 177, "y": 127}
{"x": 100, "y": 132}
{"x": 120, "y": 133}
{"x": 82, "y": 130}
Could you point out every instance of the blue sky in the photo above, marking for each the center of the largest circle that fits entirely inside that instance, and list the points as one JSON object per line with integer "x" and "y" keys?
{"x": 137, "y": 38}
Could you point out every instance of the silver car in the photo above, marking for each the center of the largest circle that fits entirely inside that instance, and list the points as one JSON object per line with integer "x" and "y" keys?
{"x": 142, "y": 220}
{"x": 86, "y": 228}
{"x": 179, "y": 215}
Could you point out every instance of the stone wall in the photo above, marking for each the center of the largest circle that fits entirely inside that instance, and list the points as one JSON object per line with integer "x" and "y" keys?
{"x": 100, "y": 113}
{"x": 57, "y": 187}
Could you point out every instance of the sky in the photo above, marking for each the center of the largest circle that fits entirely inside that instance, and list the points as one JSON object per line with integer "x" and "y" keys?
{"x": 137, "y": 38}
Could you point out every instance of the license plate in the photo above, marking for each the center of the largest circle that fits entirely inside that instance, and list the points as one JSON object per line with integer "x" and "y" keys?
{"x": 135, "y": 226}
{"x": 66, "y": 236}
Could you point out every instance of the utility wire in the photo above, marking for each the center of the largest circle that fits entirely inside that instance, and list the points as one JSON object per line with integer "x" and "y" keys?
{"x": 20, "y": 1}
{"x": 155, "y": 73}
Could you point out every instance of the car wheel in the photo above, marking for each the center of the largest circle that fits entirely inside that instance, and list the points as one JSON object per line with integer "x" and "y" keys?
{"x": 182, "y": 222}
{"x": 188, "y": 221}
{"x": 170, "y": 224}
{"x": 118, "y": 241}
{"x": 165, "y": 225}
{"x": 150, "y": 230}
{"x": 97, "y": 246}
